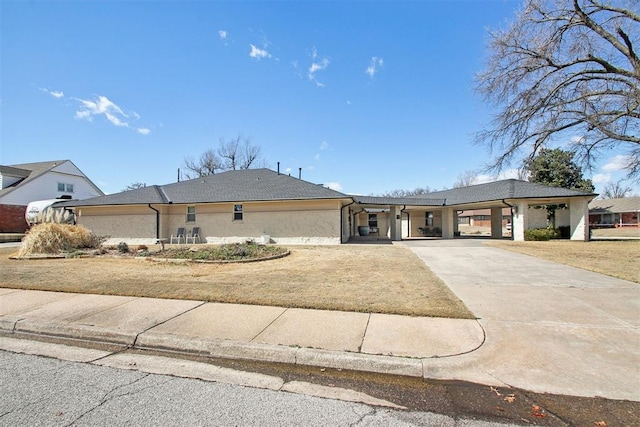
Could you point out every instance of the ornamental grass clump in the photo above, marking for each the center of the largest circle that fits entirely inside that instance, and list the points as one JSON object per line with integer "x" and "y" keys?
{"x": 53, "y": 238}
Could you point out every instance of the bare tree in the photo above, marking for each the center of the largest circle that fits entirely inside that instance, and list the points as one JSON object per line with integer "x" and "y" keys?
{"x": 405, "y": 193}
{"x": 135, "y": 186}
{"x": 236, "y": 153}
{"x": 616, "y": 190}
{"x": 465, "y": 179}
{"x": 567, "y": 72}
{"x": 207, "y": 164}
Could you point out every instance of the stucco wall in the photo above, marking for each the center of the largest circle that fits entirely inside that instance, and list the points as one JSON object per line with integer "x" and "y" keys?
{"x": 538, "y": 217}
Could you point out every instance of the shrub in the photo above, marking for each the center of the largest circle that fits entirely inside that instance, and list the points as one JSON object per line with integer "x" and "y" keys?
{"x": 123, "y": 248}
{"x": 541, "y": 234}
{"x": 51, "y": 238}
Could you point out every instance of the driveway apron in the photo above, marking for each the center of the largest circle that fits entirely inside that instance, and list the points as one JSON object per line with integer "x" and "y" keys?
{"x": 549, "y": 327}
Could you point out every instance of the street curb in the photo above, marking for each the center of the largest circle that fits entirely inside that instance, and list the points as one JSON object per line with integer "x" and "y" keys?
{"x": 227, "y": 349}
{"x": 76, "y": 332}
{"x": 224, "y": 349}
{"x": 391, "y": 365}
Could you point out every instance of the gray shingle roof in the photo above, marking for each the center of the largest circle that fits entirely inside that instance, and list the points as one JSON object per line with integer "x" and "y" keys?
{"x": 411, "y": 201}
{"x": 627, "y": 204}
{"x": 232, "y": 186}
{"x": 505, "y": 189}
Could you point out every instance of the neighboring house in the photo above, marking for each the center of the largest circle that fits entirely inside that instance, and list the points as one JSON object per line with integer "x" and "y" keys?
{"x": 481, "y": 217}
{"x": 255, "y": 203}
{"x": 28, "y": 182}
{"x": 623, "y": 212}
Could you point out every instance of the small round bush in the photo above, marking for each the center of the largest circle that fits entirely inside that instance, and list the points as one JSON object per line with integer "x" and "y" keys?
{"x": 123, "y": 247}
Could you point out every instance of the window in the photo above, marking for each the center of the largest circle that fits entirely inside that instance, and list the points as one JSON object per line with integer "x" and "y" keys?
{"x": 191, "y": 214}
{"x": 373, "y": 220}
{"x": 464, "y": 220}
{"x": 237, "y": 212}
{"x": 66, "y": 188}
{"x": 428, "y": 216}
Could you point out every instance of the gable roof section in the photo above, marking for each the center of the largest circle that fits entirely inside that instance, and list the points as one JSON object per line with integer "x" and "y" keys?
{"x": 505, "y": 189}
{"x": 13, "y": 171}
{"x": 32, "y": 171}
{"x": 29, "y": 171}
{"x": 621, "y": 205}
{"x": 232, "y": 186}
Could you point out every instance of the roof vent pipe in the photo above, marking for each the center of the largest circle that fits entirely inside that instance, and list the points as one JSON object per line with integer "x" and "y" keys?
{"x": 278, "y": 168}
{"x": 299, "y": 173}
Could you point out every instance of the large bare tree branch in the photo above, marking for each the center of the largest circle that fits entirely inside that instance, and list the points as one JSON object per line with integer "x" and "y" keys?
{"x": 565, "y": 72}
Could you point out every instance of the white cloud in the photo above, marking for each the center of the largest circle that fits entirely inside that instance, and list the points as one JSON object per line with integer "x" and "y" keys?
{"x": 617, "y": 163}
{"x": 334, "y": 186}
{"x": 317, "y": 157}
{"x": 54, "y": 93}
{"x": 324, "y": 145}
{"x": 317, "y": 64}
{"x": 101, "y": 105}
{"x": 374, "y": 66}
{"x": 601, "y": 178}
{"x": 288, "y": 170}
{"x": 222, "y": 34}
{"x": 258, "y": 53}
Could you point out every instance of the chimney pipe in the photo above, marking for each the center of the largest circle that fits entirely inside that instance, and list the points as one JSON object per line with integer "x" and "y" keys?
{"x": 178, "y": 174}
{"x": 278, "y": 168}
{"x": 299, "y": 173}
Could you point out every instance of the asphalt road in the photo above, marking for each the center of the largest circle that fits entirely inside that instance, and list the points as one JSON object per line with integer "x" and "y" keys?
{"x": 43, "y": 391}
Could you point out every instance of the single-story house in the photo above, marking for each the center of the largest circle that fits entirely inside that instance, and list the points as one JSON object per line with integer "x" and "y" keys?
{"x": 621, "y": 212}
{"x": 24, "y": 183}
{"x": 256, "y": 203}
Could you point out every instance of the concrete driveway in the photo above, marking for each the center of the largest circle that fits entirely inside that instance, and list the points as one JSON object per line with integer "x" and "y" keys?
{"x": 549, "y": 327}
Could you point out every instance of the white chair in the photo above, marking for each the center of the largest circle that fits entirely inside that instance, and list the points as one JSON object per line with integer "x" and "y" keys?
{"x": 178, "y": 236}
{"x": 195, "y": 234}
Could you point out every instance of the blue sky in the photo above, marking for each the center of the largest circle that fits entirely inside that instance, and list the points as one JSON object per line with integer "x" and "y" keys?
{"x": 364, "y": 96}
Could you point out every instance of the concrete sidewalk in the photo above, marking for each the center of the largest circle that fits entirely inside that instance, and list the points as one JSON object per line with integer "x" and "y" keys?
{"x": 542, "y": 326}
{"x": 360, "y": 341}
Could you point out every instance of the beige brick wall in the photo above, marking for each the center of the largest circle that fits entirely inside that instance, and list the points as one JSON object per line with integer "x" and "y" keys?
{"x": 298, "y": 221}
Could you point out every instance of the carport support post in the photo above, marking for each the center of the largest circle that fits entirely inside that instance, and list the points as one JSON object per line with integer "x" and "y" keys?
{"x": 448, "y": 215}
{"x": 578, "y": 216}
{"x": 395, "y": 223}
{"x": 496, "y": 222}
{"x": 519, "y": 222}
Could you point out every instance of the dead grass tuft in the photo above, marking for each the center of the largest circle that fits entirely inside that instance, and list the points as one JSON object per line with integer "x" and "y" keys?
{"x": 50, "y": 238}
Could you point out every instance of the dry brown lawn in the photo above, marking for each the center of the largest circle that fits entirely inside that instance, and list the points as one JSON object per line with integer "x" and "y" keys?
{"x": 619, "y": 259}
{"x": 364, "y": 278}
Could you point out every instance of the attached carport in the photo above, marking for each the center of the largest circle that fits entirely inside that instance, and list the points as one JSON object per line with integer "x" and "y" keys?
{"x": 437, "y": 213}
